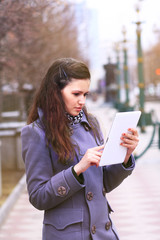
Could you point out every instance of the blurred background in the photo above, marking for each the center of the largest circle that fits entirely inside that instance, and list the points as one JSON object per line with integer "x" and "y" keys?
{"x": 119, "y": 41}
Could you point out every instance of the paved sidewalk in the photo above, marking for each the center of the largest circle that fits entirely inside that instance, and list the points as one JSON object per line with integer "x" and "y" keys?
{"x": 24, "y": 222}
{"x": 136, "y": 204}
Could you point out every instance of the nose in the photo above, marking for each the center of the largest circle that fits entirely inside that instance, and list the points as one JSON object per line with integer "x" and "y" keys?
{"x": 82, "y": 100}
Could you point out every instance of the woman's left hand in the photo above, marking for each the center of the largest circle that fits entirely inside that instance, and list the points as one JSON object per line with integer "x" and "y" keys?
{"x": 130, "y": 141}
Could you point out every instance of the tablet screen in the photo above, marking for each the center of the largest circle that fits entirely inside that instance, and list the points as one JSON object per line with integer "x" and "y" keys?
{"x": 113, "y": 152}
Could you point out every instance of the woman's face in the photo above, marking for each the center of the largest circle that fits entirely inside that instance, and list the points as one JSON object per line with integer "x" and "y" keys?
{"x": 74, "y": 95}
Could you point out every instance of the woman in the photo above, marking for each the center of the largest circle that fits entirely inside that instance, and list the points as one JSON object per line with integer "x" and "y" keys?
{"x": 62, "y": 146}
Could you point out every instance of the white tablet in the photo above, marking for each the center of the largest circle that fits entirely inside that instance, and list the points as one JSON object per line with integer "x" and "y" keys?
{"x": 113, "y": 152}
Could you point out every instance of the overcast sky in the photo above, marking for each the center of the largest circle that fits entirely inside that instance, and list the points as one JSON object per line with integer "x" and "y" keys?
{"x": 114, "y": 14}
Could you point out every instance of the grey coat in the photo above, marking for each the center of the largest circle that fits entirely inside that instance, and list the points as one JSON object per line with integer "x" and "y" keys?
{"x": 72, "y": 211}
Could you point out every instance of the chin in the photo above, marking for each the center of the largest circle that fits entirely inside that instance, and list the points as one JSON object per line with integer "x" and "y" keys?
{"x": 75, "y": 114}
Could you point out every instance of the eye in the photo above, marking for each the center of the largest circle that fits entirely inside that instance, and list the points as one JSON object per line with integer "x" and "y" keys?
{"x": 86, "y": 94}
{"x": 76, "y": 94}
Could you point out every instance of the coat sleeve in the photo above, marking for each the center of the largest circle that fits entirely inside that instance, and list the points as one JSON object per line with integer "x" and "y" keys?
{"x": 45, "y": 189}
{"x": 113, "y": 175}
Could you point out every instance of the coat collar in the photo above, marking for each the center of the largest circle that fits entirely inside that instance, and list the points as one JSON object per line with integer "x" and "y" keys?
{"x": 84, "y": 120}
{"x": 40, "y": 113}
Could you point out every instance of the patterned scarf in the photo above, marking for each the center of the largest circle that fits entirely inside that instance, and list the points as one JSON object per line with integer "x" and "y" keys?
{"x": 75, "y": 119}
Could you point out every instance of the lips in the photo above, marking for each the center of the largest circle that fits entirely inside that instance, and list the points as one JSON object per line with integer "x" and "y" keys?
{"x": 78, "y": 109}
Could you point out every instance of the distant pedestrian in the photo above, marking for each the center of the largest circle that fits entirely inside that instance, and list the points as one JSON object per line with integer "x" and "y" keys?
{"x": 62, "y": 146}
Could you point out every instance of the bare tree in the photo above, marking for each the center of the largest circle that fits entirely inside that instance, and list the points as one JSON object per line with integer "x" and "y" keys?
{"x": 34, "y": 33}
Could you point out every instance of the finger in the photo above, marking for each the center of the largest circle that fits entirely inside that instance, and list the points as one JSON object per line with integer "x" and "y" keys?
{"x": 130, "y": 141}
{"x": 129, "y": 145}
{"x": 93, "y": 152}
{"x": 134, "y": 131}
{"x": 98, "y": 147}
{"x": 98, "y": 154}
{"x": 96, "y": 162}
{"x": 95, "y": 157}
{"x": 129, "y": 136}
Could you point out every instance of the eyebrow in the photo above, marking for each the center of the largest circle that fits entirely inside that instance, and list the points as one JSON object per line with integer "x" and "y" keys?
{"x": 79, "y": 91}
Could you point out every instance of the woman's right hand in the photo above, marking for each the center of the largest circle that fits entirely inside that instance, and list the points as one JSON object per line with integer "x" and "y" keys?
{"x": 91, "y": 157}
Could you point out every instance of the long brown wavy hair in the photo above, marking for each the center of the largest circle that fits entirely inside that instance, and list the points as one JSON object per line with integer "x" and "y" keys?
{"x": 49, "y": 99}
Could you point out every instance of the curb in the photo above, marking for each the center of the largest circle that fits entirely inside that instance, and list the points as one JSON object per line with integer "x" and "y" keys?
{"x": 12, "y": 198}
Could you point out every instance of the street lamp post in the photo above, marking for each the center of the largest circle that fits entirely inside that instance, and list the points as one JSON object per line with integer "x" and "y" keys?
{"x": 141, "y": 84}
{"x": 146, "y": 118}
{"x": 125, "y": 67}
{"x": 118, "y": 73}
{"x": 122, "y": 106}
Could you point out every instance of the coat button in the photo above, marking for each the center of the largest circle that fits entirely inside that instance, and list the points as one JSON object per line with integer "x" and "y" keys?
{"x": 89, "y": 196}
{"x": 108, "y": 225}
{"x": 62, "y": 191}
{"x": 93, "y": 229}
{"x": 86, "y": 127}
{"x": 104, "y": 192}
